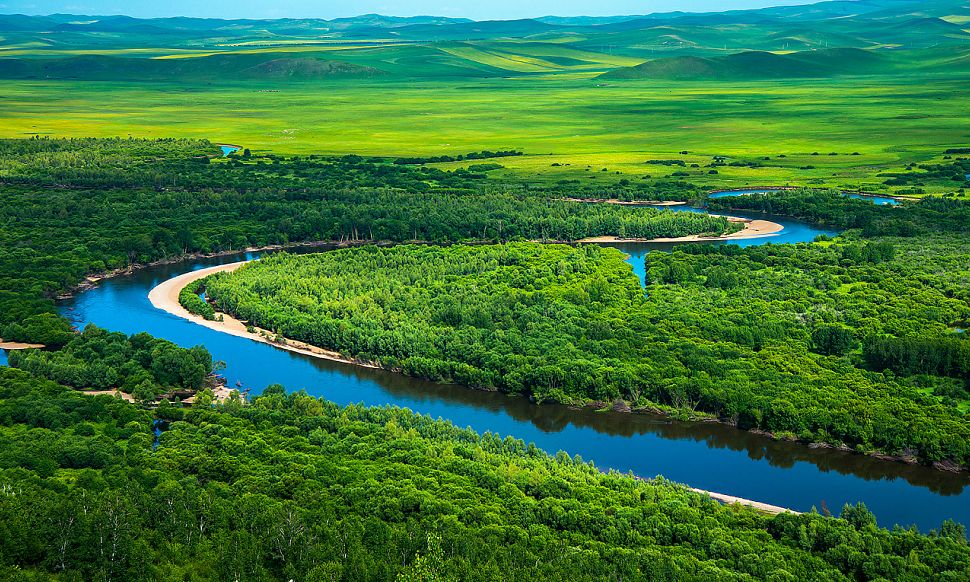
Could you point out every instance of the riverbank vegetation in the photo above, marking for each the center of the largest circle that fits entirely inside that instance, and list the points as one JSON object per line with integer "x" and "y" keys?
{"x": 846, "y": 344}
{"x": 291, "y": 487}
{"x": 140, "y": 365}
{"x": 932, "y": 215}
{"x": 72, "y": 208}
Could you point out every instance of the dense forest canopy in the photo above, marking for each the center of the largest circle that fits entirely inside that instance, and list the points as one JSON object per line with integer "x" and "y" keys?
{"x": 859, "y": 348}
{"x": 454, "y": 172}
{"x": 291, "y": 487}
{"x": 71, "y": 208}
{"x": 140, "y": 365}
{"x": 929, "y": 215}
{"x": 851, "y": 343}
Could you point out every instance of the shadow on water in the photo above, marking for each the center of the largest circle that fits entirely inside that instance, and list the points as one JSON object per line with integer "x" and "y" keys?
{"x": 709, "y": 456}
{"x": 554, "y": 418}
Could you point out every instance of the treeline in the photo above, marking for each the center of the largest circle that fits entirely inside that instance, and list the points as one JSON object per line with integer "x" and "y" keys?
{"x": 625, "y": 190}
{"x": 108, "y": 162}
{"x": 295, "y": 488}
{"x": 940, "y": 356}
{"x": 482, "y": 155}
{"x": 189, "y": 299}
{"x": 953, "y": 171}
{"x": 931, "y": 214}
{"x": 864, "y": 307}
{"x": 140, "y": 364}
{"x": 75, "y": 207}
{"x": 768, "y": 337}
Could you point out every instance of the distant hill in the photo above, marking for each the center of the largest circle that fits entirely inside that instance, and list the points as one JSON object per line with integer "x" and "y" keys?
{"x": 222, "y": 67}
{"x": 673, "y": 45}
{"x": 307, "y": 69}
{"x": 756, "y": 65}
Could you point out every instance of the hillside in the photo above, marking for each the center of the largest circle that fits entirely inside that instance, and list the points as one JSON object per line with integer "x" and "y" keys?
{"x": 900, "y": 24}
{"x": 221, "y": 67}
{"x": 757, "y": 65}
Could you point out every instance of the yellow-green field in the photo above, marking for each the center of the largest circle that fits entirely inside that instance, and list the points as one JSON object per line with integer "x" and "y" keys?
{"x": 581, "y": 122}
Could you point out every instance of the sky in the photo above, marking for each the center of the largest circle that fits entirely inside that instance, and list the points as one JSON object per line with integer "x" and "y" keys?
{"x": 477, "y": 10}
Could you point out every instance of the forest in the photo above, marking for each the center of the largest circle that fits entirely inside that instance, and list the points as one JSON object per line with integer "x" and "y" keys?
{"x": 286, "y": 486}
{"x": 851, "y": 343}
{"x": 72, "y": 208}
{"x": 291, "y": 487}
{"x": 930, "y": 215}
{"x": 140, "y": 365}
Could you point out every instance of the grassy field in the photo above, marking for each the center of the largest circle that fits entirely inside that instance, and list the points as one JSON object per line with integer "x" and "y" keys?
{"x": 618, "y": 125}
{"x": 889, "y": 84}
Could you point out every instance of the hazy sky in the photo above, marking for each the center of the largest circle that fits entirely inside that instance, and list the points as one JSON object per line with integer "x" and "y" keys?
{"x": 479, "y": 10}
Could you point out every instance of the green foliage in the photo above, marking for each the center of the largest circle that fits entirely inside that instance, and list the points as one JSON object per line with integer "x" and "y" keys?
{"x": 73, "y": 207}
{"x": 886, "y": 304}
{"x": 722, "y": 330}
{"x": 954, "y": 171}
{"x": 941, "y": 356}
{"x": 483, "y": 155}
{"x": 833, "y": 339}
{"x": 100, "y": 360}
{"x": 831, "y": 208}
{"x": 190, "y": 300}
{"x": 293, "y": 487}
{"x": 544, "y": 320}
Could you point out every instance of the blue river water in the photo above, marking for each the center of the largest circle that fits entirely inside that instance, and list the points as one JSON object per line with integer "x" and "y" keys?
{"x": 709, "y": 456}
{"x": 877, "y": 200}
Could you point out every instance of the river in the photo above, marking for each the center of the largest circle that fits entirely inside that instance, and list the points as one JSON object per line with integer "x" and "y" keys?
{"x": 877, "y": 200}
{"x": 708, "y": 456}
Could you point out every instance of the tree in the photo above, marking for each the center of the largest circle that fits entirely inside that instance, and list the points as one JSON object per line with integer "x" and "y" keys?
{"x": 832, "y": 339}
{"x": 426, "y": 567}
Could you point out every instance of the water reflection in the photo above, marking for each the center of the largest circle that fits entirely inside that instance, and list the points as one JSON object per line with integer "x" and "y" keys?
{"x": 554, "y": 418}
{"x": 706, "y": 455}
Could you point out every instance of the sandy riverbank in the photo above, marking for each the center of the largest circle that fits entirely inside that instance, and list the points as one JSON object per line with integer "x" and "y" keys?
{"x": 752, "y": 229}
{"x": 730, "y": 500}
{"x": 19, "y": 346}
{"x": 166, "y": 297}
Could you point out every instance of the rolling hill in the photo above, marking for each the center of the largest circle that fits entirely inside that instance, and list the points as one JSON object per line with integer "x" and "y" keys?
{"x": 225, "y": 67}
{"x": 757, "y": 65}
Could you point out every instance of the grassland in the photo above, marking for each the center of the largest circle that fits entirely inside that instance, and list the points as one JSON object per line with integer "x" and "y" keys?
{"x": 891, "y": 121}
{"x": 883, "y": 90}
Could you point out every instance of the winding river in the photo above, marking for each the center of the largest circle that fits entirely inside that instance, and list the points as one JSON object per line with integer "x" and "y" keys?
{"x": 709, "y": 456}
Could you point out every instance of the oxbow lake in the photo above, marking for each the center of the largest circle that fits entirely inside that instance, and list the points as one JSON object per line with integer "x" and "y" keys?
{"x": 709, "y": 456}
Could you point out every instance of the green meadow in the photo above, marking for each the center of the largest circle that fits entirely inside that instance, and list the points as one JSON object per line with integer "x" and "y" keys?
{"x": 889, "y": 121}
{"x": 776, "y": 92}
